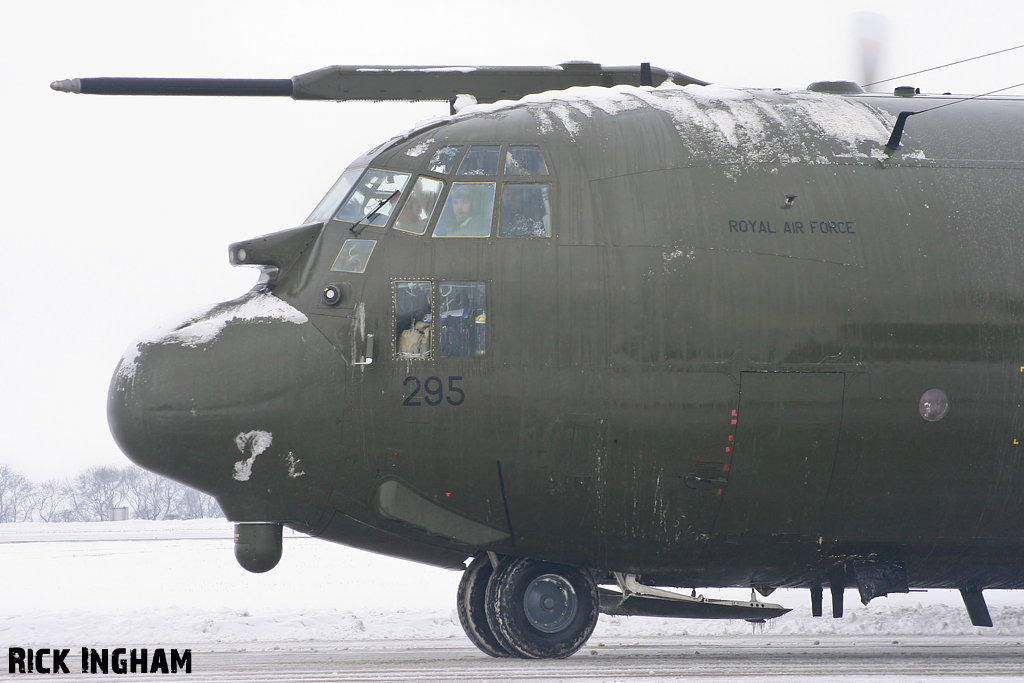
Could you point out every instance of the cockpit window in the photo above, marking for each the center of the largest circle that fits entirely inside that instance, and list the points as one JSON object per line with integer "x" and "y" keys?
{"x": 463, "y": 312}
{"x": 412, "y": 318}
{"x": 525, "y": 160}
{"x": 415, "y": 215}
{"x": 354, "y": 256}
{"x": 374, "y": 197}
{"x": 480, "y": 160}
{"x": 525, "y": 210}
{"x": 467, "y": 211}
{"x": 325, "y": 209}
{"x": 443, "y": 160}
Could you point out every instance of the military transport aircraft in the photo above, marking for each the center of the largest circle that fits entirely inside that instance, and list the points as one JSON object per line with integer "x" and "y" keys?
{"x": 606, "y": 332}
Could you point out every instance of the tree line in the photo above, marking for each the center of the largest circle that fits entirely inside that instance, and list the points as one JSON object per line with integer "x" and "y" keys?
{"x": 91, "y": 495}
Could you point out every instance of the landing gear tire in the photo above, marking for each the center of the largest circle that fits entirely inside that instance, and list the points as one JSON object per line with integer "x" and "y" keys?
{"x": 472, "y": 614}
{"x": 541, "y": 610}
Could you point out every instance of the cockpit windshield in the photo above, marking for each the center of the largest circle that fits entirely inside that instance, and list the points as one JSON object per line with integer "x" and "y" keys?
{"x": 480, "y": 160}
{"x": 525, "y": 160}
{"x": 369, "y": 203}
{"x": 464, "y": 191}
{"x": 418, "y": 208}
{"x": 467, "y": 213}
{"x": 443, "y": 160}
{"x": 325, "y": 209}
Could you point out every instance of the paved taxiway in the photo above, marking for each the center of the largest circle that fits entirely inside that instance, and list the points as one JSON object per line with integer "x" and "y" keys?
{"x": 795, "y": 659}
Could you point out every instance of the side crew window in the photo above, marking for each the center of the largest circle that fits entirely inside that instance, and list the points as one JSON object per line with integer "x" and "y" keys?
{"x": 374, "y": 197}
{"x": 413, "y": 319}
{"x": 415, "y": 215}
{"x": 462, "y": 311}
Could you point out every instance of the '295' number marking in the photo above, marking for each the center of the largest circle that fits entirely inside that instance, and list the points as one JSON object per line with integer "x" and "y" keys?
{"x": 433, "y": 391}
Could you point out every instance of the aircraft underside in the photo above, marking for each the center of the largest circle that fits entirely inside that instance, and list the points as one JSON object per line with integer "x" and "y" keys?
{"x": 528, "y": 607}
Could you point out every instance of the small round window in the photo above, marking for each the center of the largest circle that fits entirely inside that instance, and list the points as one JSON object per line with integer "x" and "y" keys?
{"x": 934, "y": 405}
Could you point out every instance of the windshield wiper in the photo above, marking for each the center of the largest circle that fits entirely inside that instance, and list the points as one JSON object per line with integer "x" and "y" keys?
{"x": 375, "y": 210}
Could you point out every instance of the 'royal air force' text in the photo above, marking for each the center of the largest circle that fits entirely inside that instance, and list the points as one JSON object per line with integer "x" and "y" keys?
{"x": 793, "y": 227}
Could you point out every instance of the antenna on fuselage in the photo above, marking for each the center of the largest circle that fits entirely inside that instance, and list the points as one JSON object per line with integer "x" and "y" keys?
{"x": 893, "y": 144}
{"x": 897, "y": 131}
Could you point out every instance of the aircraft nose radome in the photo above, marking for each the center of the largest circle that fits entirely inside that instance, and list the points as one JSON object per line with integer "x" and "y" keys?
{"x": 223, "y": 402}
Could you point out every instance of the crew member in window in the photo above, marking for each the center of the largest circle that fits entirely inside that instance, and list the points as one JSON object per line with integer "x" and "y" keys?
{"x": 417, "y": 210}
{"x": 468, "y": 218}
{"x": 415, "y": 341}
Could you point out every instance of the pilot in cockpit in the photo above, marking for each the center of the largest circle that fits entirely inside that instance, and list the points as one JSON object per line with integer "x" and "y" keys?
{"x": 467, "y": 212}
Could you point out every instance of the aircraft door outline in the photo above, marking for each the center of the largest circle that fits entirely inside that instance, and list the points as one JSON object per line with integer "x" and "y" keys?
{"x": 787, "y": 440}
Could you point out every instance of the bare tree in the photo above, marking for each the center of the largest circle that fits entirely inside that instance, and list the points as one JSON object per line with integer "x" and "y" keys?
{"x": 91, "y": 495}
{"x": 51, "y": 500}
{"x": 154, "y": 497}
{"x": 149, "y": 495}
{"x": 15, "y": 495}
{"x": 196, "y": 505}
{"x": 95, "y": 491}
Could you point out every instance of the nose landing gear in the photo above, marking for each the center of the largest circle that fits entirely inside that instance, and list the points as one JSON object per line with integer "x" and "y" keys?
{"x": 527, "y": 608}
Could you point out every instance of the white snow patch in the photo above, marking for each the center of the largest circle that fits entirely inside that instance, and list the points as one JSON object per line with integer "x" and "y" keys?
{"x": 204, "y": 326}
{"x": 563, "y": 112}
{"x": 420, "y": 149}
{"x": 545, "y": 125}
{"x": 615, "y": 102}
{"x": 126, "y": 368}
{"x": 255, "y": 443}
{"x": 743, "y": 126}
{"x": 293, "y": 465}
{"x": 261, "y": 306}
{"x": 668, "y": 257}
{"x": 463, "y": 101}
{"x": 730, "y": 126}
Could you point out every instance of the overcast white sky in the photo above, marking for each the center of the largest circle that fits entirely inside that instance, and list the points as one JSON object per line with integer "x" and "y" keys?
{"x": 116, "y": 213}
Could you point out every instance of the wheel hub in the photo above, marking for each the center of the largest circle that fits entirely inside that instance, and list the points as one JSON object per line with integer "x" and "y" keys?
{"x": 550, "y": 603}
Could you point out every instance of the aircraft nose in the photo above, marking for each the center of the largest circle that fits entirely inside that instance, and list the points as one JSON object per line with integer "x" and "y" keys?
{"x": 236, "y": 402}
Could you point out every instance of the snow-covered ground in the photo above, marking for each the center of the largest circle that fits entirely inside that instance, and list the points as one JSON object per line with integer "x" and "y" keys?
{"x": 167, "y": 583}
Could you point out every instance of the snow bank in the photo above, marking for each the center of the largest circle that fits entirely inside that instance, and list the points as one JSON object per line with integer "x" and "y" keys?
{"x": 163, "y": 583}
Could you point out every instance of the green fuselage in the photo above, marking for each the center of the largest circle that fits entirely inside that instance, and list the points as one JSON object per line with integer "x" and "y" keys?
{"x": 710, "y": 373}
